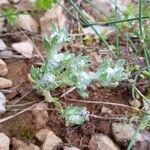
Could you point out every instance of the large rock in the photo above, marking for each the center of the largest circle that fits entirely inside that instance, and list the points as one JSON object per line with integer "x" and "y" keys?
{"x": 42, "y": 134}
{"x": 4, "y": 142}
{"x": 54, "y": 14}
{"x": 51, "y": 142}
{"x": 26, "y": 22}
{"x": 20, "y": 145}
{"x": 3, "y": 68}
{"x": 25, "y": 48}
{"x": 3, "y": 2}
{"x": 5, "y": 83}
{"x": 49, "y": 139}
{"x": 3, "y": 46}
{"x": 2, "y": 103}
{"x": 40, "y": 116}
{"x": 122, "y": 133}
{"x": 101, "y": 142}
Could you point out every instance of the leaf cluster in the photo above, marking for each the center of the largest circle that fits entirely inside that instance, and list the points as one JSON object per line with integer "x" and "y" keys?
{"x": 11, "y": 16}
{"x": 43, "y": 5}
{"x": 110, "y": 73}
{"x": 67, "y": 69}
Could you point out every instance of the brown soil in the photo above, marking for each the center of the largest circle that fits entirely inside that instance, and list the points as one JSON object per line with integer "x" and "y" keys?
{"x": 22, "y": 126}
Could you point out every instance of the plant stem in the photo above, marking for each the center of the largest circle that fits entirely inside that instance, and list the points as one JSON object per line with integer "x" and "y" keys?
{"x": 147, "y": 100}
{"x": 50, "y": 99}
{"x": 140, "y": 18}
{"x": 116, "y": 21}
{"x": 47, "y": 96}
{"x": 117, "y": 31}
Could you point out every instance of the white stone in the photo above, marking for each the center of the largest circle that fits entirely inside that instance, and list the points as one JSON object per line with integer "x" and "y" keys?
{"x": 2, "y": 103}
{"x": 3, "y": 68}
{"x": 5, "y": 83}
{"x": 3, "y": 46}
{"x": 101, "y": 142}
{"x": 26, "y": 22}
{"x": 15, "y": 1}
{"x": 25, "y": 48}
{"x": 4, "y": 142}
{"x": 70, "y": 148}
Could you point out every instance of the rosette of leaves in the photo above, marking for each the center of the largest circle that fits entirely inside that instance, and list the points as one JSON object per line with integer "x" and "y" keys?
{"x": 110, "y": 73}
{"x": 60, "y": 70}
{"x": 76, "y": 115}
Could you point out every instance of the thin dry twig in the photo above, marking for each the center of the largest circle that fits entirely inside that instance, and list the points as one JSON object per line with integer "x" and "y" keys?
{"x": 67, "y": 92}
{"x": 20, "y": 105}
{"x": 26, "y": 109}
{"x": 109, "y": 118}
{"x": 103, "y": 103}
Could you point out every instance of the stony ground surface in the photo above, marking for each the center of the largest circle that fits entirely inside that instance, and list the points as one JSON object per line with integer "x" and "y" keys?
{"x": 29, "y": 123}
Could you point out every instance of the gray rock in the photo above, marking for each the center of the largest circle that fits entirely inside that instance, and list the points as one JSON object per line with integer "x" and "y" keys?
{"x": 3, "y": 46}
{"x": 42, "y": 134}
{"x": 25, "y": 48}
{"x": 4, "y": 2}
{"x": 20, "y": 145}
{"x": 3, "y": 68}
{"x": 40, "y": 115}
{"x": 122, "y": 133}
{"x": 26, "y": 22}
{"x": 2, "y": 103}
{"x": 101, "y": 142}
{"x": 5, "y": 83}
{"x": 51, "y": 141}
{"x": 4, "y": 142}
